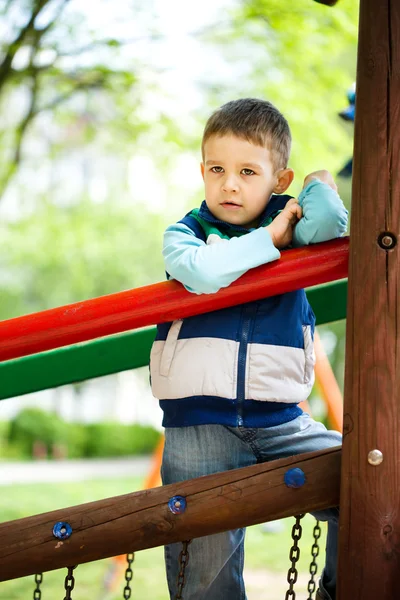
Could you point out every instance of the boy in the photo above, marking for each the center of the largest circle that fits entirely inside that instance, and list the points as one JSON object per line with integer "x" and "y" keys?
{"x": 229, "y": 382}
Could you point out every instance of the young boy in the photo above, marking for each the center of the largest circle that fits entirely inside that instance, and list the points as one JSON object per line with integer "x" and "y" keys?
{"x": 229, "y": 382}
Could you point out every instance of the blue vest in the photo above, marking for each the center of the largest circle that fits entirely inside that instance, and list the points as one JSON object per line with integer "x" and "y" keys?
{"x": 244, "y": 366}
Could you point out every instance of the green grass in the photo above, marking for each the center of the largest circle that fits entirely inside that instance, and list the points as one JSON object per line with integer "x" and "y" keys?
{"x": 267, "y": 554}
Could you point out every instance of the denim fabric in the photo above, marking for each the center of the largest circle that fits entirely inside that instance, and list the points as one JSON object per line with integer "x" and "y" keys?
{"x": 215, "y": 567}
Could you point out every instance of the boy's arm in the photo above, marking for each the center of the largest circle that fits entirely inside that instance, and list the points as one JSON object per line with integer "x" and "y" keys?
{"x": 324, "y": 215}
{"x": 204, "y": 269}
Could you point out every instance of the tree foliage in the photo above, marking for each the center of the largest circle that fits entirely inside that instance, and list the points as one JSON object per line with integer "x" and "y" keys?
{"x": 55, "y": 257}
{"x": 302, "y": 56}
{"x": 72, "y": 108}
{"x": 53, "y": 64}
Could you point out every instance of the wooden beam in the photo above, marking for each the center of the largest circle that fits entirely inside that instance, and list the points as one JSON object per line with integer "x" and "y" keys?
{"x": 369, "y": 541}
{"x": 166, "y": 301}
{"x": 143, "y": 519}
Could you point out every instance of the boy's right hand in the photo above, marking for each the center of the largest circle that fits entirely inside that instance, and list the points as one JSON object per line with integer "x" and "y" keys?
{"x": 281, "y": 228}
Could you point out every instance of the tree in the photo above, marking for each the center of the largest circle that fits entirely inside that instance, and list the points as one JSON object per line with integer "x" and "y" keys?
{"x": 52, "y": 62}
{"x": 75, "y": 103}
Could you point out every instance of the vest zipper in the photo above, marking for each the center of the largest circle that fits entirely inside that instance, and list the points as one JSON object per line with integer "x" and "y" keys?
{"x": 247, "y": 318}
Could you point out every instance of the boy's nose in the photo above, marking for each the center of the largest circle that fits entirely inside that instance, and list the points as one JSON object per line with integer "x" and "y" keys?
{"x": 230, "y": 184}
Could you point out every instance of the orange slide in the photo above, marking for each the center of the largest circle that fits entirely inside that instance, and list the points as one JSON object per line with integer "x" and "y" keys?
{"x": 327, "y": 386}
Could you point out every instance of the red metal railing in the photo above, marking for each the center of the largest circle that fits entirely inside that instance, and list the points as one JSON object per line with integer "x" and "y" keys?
{"x": 161, "y": 302}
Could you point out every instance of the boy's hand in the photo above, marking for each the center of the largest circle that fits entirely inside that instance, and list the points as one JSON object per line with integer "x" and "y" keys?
{"x": 281, "y": 228}
{"x": 324, "y": 176}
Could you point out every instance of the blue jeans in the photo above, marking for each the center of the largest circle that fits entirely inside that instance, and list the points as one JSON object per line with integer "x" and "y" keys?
{"x": 215, "y": 567}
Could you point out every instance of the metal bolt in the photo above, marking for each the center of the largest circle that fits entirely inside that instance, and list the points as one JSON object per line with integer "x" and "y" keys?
{"x": 62, "y": 530}
{"x": 177, "y": 505}
{"x": 375, "y": 457}
{"x": 387, "y": 240}
{"x": 294, "y": 478}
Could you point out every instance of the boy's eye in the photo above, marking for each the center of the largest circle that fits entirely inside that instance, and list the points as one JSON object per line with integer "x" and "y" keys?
{"x": 248, "y": 172}
{"x": 216, "y": 169}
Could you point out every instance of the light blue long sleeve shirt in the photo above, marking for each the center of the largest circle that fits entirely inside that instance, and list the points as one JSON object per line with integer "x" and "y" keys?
{"x": 206, "y": 268}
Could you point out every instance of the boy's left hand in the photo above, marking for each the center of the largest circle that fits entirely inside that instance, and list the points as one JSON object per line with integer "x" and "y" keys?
{"x": 324, "y": 176}
{"x": 324, "y": 215}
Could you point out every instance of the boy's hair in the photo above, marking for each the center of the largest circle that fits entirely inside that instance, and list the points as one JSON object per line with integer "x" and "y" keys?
{"x": 257, "y": 121}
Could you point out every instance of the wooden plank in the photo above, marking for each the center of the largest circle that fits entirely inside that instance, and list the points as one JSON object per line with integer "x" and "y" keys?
{"x": 124, "y": 351}
{"x": 369, "y": 544}
{"x": 143, "y": 519}
{"x": 166, "y": 301}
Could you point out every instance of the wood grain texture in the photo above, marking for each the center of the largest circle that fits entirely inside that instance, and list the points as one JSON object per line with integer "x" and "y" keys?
{"x": 369, "y": 545}
{"x": 141, "y": 520}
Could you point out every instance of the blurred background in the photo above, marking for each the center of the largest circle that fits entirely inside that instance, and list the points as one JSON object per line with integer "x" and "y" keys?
{"x": 102, "y": 107}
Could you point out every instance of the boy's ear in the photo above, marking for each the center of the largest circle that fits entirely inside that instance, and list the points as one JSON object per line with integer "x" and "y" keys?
{"x": 284, "y": 179}
{"x": 202, "y": 169}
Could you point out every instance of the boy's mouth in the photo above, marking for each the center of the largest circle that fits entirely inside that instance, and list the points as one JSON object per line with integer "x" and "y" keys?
{"x": 230, "y": 205}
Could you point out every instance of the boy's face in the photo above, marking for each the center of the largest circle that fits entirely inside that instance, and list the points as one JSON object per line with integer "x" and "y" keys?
{"x": 239, "y": 178}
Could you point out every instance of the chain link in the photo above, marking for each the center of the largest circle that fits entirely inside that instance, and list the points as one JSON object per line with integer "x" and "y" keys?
{"x": 294, "y": 556}
{"x": 69, "y": 583}
{"x": 37, "y": 594}
{"x": 183, "y": 561}
{"x": 128, "y": 575}
{"x": 313, "y": 565}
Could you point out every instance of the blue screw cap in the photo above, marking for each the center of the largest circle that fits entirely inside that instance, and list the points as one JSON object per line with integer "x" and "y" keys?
{"x": 177, "y": 505}
{"x": 294, "y": 478}
{"x": 62, "y": 530}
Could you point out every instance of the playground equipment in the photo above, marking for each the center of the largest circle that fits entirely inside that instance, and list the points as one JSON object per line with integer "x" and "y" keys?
{"x": 147, "y": 518}
{"x": 369, "y": 468}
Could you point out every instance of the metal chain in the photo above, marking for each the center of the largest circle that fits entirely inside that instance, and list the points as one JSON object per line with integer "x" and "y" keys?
{"x": 37, "y": 594}
{"x": 294, "y": 556}
{"x": 128, "y": 575}
{"x": 69, "y": 583}
{"x": 313, "y": 565}
{"x": 183, "y": 561}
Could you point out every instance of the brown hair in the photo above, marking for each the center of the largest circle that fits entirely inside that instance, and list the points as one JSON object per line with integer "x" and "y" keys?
{"x": 257, "y": 121}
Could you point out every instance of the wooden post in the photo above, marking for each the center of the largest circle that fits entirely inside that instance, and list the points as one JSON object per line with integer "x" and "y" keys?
{"x": 369, "y": 540}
